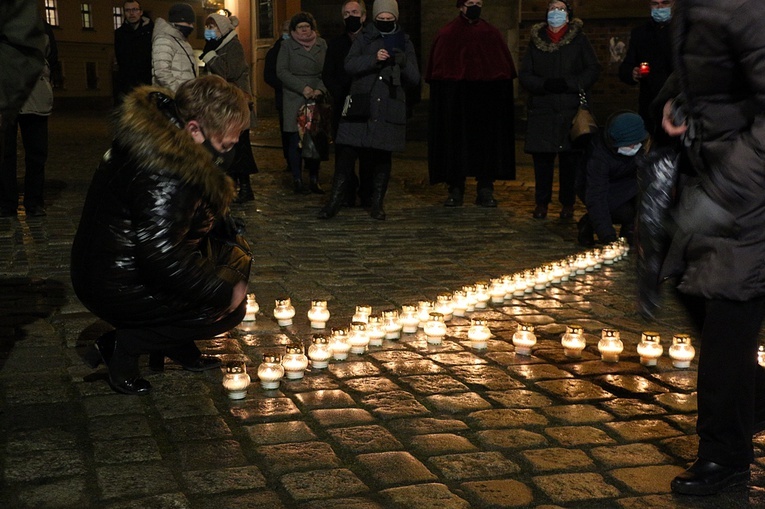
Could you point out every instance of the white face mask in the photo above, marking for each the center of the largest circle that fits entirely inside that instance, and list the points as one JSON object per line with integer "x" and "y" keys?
{"x": 629, "y": 151}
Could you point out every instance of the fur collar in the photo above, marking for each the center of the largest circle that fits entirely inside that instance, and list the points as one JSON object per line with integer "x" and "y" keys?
{"x": 157, "y": 144}
{"x": 574, "y": 29}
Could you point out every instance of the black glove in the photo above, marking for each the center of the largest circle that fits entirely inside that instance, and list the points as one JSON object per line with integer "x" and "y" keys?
{"x": 555, "y": 85}
{"x": 399, "y": 57}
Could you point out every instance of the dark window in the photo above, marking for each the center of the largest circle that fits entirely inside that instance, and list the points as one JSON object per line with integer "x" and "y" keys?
{"x": 91, "y": 76}
{"x": 265, "y": 19}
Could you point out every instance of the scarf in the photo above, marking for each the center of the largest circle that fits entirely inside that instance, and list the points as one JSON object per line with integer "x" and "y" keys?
{"x": 555, "y": 37}
{"x": 308, "y": 41}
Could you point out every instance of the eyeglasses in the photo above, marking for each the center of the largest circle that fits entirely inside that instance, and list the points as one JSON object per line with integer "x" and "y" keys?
{"x": 303, "y": 26}
{"x": 132, "y": 10}
{"x": 560, "y": 9}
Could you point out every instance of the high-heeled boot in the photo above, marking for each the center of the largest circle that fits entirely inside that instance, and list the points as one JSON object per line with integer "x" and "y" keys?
{"x": 124, "y": 375}
{"x": 245, "y": 190}
{"x": 379, "y": 188}
{"x": 337, "y": 196}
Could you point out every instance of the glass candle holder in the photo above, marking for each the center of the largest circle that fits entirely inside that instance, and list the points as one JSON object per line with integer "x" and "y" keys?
{"x": 284, "y": 312}
{"x": 581, "y": 264}
{"x": 409, "y": 319}
{"x": 524, "y": 339}
{"x": 509, "y": 282}
{"x": 519, "y": 284}
{"x": 681, "y": 352}
{"x": 471, "y": 298}
{"x": 236, "y": 380}
{"x": 610, "y": 345}
{"x": 482, "y": 296}
{"x": 375, "y": 330}
{"x": 362, "y": 313}
{"x": 573, "y": 341}
{"x": 530, "y": 279}
{"x": 444, "y": 306}
{"x": 319, "y": 352}
{"x": 479, "y": 334}
{"x": 339, "y": 344}
{"x": 295, "y": 362}
{"x": 358, "y": 339}
{"x": 540, "y": 279}
{"x": 424, "y": 308}
{"x": 459, "y": 303}
{"x": 391, "y": 324}
{"x": 252, "y": 308}
{"x": 761, "y": 356}
{"x": 318, "y": 314}
{"x": 497, "y": 290}
{"x": 649, "y": 349}
{"x": 270, "y": 371}
{"x": 435, "y": 329}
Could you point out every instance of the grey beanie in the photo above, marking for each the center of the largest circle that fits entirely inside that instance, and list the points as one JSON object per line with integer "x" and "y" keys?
{"x": 390, "y": 6}
{"x": 181, "y": 12}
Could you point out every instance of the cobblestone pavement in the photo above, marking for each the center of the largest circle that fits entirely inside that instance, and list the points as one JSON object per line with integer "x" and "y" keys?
{"x": 405, "y": 425}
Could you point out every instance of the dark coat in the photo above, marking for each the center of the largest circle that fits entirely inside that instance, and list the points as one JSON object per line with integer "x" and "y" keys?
{"x": 609, "y": 180}
{"x": 550, "y": 114}
{"x": 132, "y": 50}
{"x": 269, "y": 73}
{"x": 297, "y": 68}
{"x": 335, "y": 77}
{"x": 386, "y": 127}
{"x": 651, "y": 43}
{"x": 721, "y": 68}
{"x": 136, "y": 257}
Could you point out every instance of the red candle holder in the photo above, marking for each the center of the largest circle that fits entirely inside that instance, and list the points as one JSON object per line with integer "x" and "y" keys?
{"x": 644, "y": 69}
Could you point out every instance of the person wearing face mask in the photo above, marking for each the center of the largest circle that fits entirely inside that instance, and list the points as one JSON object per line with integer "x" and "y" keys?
{"x": 650, "y": 43}
{"x": 607, "y": 183}
{"x": 172, "y": 57}
{"x": 132, "y": 50}
{"x": 156, "y": 254}
{"x": 559, "y": 64}
{"x": 471, "y": 127}
{"x": 338, "y": 83}
{"x": 223, "y": 55}
{"x": 272, "y": 80}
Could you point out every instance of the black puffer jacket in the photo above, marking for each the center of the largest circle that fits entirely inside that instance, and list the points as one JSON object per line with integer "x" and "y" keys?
{"x": 136, "y": 257}
{"x": 721, "y": 68}
{"x": 550, "y": 114}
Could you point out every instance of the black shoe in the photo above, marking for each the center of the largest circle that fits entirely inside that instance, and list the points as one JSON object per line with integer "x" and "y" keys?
{"x": 36, "y": 211}
{"x": 540, "y": 212}
{"x": 298, "y": 188}
{"x": 377, "y": 213}
{"x": 244, "y": 195}
{"x": 485, "y": 199}
{"x": 708, "y": 478}
{"x": 315, "y": 188}
{"x": 203, "y": 364}
{"x": 567, "y": 212}
{"x": 585, "y": 234}
{"x": 456, "y": 197}
{"x": 8, "y": 212}
{"x": 101, "y": 351}
{"x": 132, "y": 387}
{"x": 326, "y": 212}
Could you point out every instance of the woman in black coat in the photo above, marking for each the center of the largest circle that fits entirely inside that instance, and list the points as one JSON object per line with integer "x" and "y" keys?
{"x": 153, "y": 255}
{"x": 558, "y": 65}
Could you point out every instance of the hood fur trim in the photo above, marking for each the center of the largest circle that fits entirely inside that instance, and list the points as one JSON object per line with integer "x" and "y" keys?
{"x": 158, "y": 145}
{"x": 574, "y": 29}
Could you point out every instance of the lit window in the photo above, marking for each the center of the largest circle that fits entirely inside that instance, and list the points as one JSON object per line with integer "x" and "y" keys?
{"x": 51, "y": 12}
{"x": 117, "y": 12}
{"x": 87, "y": 16}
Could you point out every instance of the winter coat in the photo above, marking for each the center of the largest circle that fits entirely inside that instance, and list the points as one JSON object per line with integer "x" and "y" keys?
{"x": 720, "y": 56}
{"x": 608, "y": 181}
{"x": 132, "y": 50}
{"x": 40, "y": 100}
{"x": 172, "y": 57}
{"x": 136, "y": 257}
{"x": 385, "y": 81}
{"x": 550, "y": 114}
{"x": 335, "y": 77}
{"x": 228, "y": 61}
{"x": 297, "y": 68}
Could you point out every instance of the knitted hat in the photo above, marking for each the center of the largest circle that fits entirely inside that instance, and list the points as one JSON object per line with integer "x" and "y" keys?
{"x": 569, "y": 7}
{"x": 626, "y": 129}
{"x": 389, "y": 6}
{"x": 224, "y": 23}
{"x": 181, "y": 12}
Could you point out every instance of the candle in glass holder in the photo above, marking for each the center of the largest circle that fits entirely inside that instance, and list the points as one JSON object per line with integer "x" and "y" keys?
{"x": 375, "y": 330}
{"x": 459, "y": 303}
{"x": 319, "y": 352}
{"x": 424, "y": 308}
{"x": 318, "y": 314}
{"x": 391, "y": 324}
{"x": 435, "y": 328}
{"x": 270, "y": 371}
{"x": 252, "y": 308}
{"x": 509, "y": 282}
{"x": 681, "y": 352}
{"x": 358, "y": 339}
{"x": 284, "y": 312}
{"x": 610, "y": 345}
{"x": 524, "y": 339}
{"x": 471, "y": 298}
{"x": 409, "y": 319}
{"x": 362, "y": 313}
{"x": 338, "y": 343}
{"x": 761, "y": 356}
{"x": 295, "y": 362}
{"x": 444, "y": 306}
{"x": 497, "y": 290}
{"x": 573, "y": 341}
{"x": 479, "y": 334}
{"x": 236, "y": 380}
{"x": 540, "y": 279}
{"x": 644, "y": 69}
{"x": 519, "y": 282}
{"x": 649, "y": 349}
{"x": 481, "y": 295}
{"x": 609, "y": 254}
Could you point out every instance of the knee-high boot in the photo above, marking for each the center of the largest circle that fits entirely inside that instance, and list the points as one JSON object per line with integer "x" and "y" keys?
{"x": 379, "y": 188}
{"x": 340, "y": 183}
{"x": 245, "y": 189}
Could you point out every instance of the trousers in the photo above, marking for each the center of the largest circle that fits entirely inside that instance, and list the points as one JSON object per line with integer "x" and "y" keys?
{"x": 544, "y": 170}
{"x": 34, "y": 136}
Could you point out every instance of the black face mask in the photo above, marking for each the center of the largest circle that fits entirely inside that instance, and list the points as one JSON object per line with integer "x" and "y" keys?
{"x": 352, "y": 24}
{"x": 222, "y": 160}
{"x": 186, "y": 31}
{"x": 385, "y": 26}
{"x": 473, "y": 12}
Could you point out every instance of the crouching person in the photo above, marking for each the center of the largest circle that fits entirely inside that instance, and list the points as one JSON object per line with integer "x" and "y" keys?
{"x": 156, "y": 254}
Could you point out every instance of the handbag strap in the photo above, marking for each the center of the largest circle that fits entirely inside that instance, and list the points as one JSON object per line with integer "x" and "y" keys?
{"x": 583, "y": 99}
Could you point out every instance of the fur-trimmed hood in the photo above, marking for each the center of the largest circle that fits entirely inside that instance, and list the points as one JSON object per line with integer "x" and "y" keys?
{"x": 574, "y": 29}
{"x": 148, "y": 128}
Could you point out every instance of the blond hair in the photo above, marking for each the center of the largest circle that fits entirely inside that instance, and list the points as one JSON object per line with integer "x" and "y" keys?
{"x": 216, "y": 104}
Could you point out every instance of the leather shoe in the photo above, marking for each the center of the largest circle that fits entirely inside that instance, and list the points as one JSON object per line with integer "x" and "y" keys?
{"x": 326, "y": 212}
{"x": 203, "y": 364}
{"x": 485, "y": 200}
{"x": 455, "y": 198}
{"x": 707, "y": 478}
{"x": 567, "y": 212}
{"x": 540, "y": 212}
{"x": 132, "y": 387}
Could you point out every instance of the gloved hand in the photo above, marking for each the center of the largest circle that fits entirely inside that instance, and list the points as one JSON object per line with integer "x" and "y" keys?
{"x": 555, "y": 85}
{"x": 399, "y": 57}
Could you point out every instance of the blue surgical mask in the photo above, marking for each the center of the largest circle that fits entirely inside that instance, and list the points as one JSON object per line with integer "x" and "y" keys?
{"x": 629, "y": 151}
{"x": 210, "y": 34}
{"x": 662, "y": 14}
{"x": 285, "y": 36}
{"x": 556, "y": 18}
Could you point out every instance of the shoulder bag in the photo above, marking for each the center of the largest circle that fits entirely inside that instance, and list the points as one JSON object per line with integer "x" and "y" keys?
{"x": 584, "y": 122}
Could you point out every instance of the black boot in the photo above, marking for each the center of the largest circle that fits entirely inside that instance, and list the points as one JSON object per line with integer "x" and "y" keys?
{"x": 456, "y": 196}
{"x": 379, "y": 188}
{"x": 337, "y": 196}
{"x": 124, "y": 376}
{"x": 485, "y": 195}
{"x": 586, "y": 234}
{"x": 245, "y": 190}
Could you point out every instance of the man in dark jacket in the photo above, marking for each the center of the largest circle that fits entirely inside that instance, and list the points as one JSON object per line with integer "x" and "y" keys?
{"x": 718, "y": 246}
{"x": 154, "y": 254}
{"x": 132, "y": 50}
{"x": 270, "y": 77}
{"x": 648, "y": 62}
